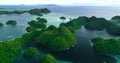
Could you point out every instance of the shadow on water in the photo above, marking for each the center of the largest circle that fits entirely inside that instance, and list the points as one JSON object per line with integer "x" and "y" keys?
{"x": 81, "y": 53}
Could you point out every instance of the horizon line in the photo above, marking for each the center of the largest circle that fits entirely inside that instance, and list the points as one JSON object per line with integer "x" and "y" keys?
{"x": 57, "y": 5}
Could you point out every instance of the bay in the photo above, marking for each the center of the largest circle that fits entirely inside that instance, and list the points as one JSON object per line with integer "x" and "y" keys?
{"x": 83, "y": 52}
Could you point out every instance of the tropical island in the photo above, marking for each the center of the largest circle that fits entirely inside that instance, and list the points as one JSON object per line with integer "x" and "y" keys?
{"x": 11, "y": 22}
{"x": 62, "y": 18}
{"x": 38, "y": 12}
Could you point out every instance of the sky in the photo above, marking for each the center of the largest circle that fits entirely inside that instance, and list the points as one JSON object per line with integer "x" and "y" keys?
{"x": 62, "y": 2}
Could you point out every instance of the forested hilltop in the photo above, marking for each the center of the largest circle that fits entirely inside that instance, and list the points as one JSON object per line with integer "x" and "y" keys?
{"x": 57, "y": 39}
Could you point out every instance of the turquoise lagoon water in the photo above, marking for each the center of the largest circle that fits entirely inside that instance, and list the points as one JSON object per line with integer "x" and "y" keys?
{"x": 9, "y": 32}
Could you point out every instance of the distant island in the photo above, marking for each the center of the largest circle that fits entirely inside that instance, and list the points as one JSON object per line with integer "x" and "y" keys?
{"x": 36, "y": 11}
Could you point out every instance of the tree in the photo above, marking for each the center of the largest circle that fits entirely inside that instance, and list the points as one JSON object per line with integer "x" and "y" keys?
{"x": 30, "y": 53}
{"x": 48, "y": 59}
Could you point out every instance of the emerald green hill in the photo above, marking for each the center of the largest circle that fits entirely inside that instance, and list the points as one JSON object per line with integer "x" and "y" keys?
{"x": 48, "y": 58}
{"x": 30, "y": 53}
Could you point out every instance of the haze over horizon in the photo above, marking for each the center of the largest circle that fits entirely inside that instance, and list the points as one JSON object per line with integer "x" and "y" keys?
{"x": 62, "y": 2}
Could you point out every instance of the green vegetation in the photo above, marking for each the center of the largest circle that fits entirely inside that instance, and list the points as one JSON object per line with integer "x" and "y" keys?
{"x": 9, "y": 50}
{"x": 30, "y": 53}
{"x": 63, "y": 18}
{"x": 48, "y": 59}
{"x": 19, "y": 11}
{"x": 38, "y": 12}
{"x": 11, "y": 22}
{"x": 1, "y": 24}
{"x": 12, "y": 12}
{"x": 106, "y": 46}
